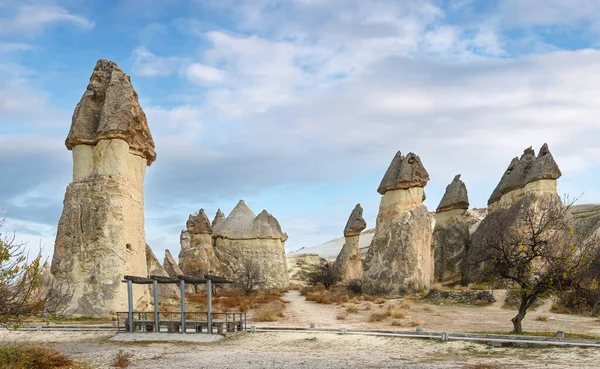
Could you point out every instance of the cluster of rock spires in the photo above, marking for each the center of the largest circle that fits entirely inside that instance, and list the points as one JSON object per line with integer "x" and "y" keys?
{"x": 221, "y": 246}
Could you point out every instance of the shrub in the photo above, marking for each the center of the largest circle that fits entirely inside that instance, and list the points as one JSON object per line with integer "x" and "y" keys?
{"x": 377, "y": 317}
{"x": 26, "y": 356}
{"x": 342, "y": 315}
{"x": 559, "y": 309}
{"x": 396, "y": 323}
{"x": 354, "y": 286}
{"x": 416, "y": 323}
{"x": 541, "y": 318}
{"x": 405, "y": 304}
{"x": 121, "y": 359}
{"x": 351, "y": 308}
{"x": 270, "y": 312}
{"x": 398, "y": 314}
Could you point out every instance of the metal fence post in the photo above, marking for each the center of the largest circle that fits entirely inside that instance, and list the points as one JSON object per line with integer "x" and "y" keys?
{"x": 209, "y": 303}
{"x": 156, "y": 318}
{"x": 182, "y": 290}
{"x": 130, "y": 303}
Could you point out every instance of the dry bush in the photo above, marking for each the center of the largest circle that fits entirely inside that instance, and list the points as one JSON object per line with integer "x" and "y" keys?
{"x": 405, "y": 304}
{"x": 341, "y": 315}
{"x": 270, "y": 312}
{"x": 351, "y": 308}
{"x": 398, "y": 314}
{"x": 380, "y": 301}
{"x": 416, "y": 323}
{"x": 559, "y": 309}
{"x": 377, "y": 317}
{"x": 541, "y": 318}
{"x": 396, "y": 323}
{"x": 26, "y": 356}
{"x": 122, "y": 359}
{"x": 427, "y": 309}
{"x": 368, "y": 305}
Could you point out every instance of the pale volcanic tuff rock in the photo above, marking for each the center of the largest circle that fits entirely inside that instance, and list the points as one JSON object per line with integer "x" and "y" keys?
{"x": 400, "y": 257}
{"x": 197, "y": 256}
{"x": 100, "y": 234}
{"x": 219, "y": 218}
{"x": 165, "y": 291}
{"x": 170, "y": 265}
{"x": 451, "y": 233}
{"x": 348, "y": 264}
{"x": 526, "y": 174}
{"x": 243, "y": 235}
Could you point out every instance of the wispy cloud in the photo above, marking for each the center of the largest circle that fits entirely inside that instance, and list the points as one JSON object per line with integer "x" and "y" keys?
{"x": 33, "y": 18}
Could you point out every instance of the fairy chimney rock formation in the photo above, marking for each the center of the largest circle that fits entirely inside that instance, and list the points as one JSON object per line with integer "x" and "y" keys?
{"x": 165, "y": 291}
{"x": 100, "y": 234}
{"x": 348, "y": 265}
{"x": 170, "y": 265}
{"x": 219, "y": 218}
{"x": 400, "y": 256}
{"x": 451, "y": 233}
{"x": 529, "y": 173}
{"x": 245, "y": 236}
{"x": 197, "y": 256}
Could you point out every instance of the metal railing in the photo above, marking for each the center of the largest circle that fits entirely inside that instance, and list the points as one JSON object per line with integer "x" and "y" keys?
{"x": 172, "y": 322}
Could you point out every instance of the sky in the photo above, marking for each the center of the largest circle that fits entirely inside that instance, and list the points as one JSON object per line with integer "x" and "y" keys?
{"x": 298, "y": 106}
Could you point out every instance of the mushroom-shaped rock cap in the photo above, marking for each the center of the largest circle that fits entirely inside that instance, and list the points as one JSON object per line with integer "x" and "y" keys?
{"x": 199, "y": 223}
{"x": 239, "y": 223}
{"x": 356, "y": 223}
{"x": 404, "y": 172}
{"x": 526, "y": 169}
{"x": 109, "y": 109}
{"x": 219, "y": 218}
{"x": 455, "y": 197}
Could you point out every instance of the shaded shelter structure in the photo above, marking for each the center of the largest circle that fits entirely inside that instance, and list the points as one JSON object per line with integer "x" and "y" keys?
{"x": 199, "y": 320}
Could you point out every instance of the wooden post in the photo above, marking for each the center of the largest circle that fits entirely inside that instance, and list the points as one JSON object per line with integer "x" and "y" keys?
{"x": 209, "y": 303}
{"x": 156, "y": 317}
{"x": 182, "y": 291}
{"x": 130, "y": 303}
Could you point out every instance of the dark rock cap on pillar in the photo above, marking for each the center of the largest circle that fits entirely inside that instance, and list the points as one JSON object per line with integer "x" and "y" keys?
{"x": 356, "y": 223}
{"x": 455, "y": 197}
{"x": 109, "y": 109}
{"x": 404, "y": 172}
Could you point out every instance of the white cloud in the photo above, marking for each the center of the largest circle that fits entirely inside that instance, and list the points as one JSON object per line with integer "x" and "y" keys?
{"x": 34, "y": 18}
{"x": 201, "y": 74}
{"x": 146, "y": 64}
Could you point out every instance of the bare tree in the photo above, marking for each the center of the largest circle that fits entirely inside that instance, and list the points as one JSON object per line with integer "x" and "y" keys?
{"x": 248, "y": 274}
{"x": 22, "y": 291}
{"x": 324, "y": 274}
{"x": 533, "y": 245}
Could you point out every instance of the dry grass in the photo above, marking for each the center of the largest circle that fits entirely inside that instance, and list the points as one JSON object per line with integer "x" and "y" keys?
{"x": 559, "y": 309}
{"x": 342, "y": 315}
{"x": 351, "y": 308}
{"x": 27, "y": 356}
{"x": 270, "y": 312}
{"x": 377, "y": 317}
{"x": 483, "y": 366}
{"x": 398, "y": 314}
{"x": 416, "y": 322}
{"x": 122, "y": 359}
{"x": 396, "y": 323}
{"x": 541, "y": 318}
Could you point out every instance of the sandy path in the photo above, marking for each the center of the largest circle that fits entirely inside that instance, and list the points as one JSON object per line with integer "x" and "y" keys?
{"x": 300, "y": 313}
{"x": 295, "y": 350}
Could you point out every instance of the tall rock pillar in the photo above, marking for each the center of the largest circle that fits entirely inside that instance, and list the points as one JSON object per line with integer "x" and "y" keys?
{"x": 101, "y": 234}
{"x": 348, "y": 265}
{"x": 400, "y": 258}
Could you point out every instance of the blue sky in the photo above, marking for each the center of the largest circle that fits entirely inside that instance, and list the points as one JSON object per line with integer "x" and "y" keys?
{"x": 298, "y": 106}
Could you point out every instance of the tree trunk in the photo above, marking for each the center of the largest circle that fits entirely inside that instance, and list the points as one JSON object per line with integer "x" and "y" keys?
{"x": 526, "y": 302}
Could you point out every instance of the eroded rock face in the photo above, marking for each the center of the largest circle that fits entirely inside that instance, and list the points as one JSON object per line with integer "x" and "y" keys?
{"x": 166, "y": 292}
{"x": 243, "y": 235}
{"x": 101, "y": 234}
{"x": 170, "y": 265}
{"x": 400, "y": 258}
{"x": 219, "y": 218}
{"x": 451, "y": 234}
{"x": 525, "y": 175}
{"x": 348, "y": 264}
{"x": 197, "y": 256}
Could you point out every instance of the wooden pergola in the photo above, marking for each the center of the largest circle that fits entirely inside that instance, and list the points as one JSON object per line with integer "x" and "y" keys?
{"x": 155, "y": 280}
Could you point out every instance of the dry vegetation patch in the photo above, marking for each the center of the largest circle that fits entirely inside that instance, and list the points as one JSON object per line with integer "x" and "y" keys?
{"x": 27, "y": 356}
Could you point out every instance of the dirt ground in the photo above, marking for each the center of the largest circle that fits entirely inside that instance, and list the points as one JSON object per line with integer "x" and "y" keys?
{"x": 432, "y": 317}
{"x": 331, "y": 350}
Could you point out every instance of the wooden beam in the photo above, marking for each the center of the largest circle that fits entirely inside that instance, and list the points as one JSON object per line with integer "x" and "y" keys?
{"x": 217, "y": 279}
{"x": 137, "y": 280}
{"x": 191, "y": 279}
{"x": 161, "y": 279}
